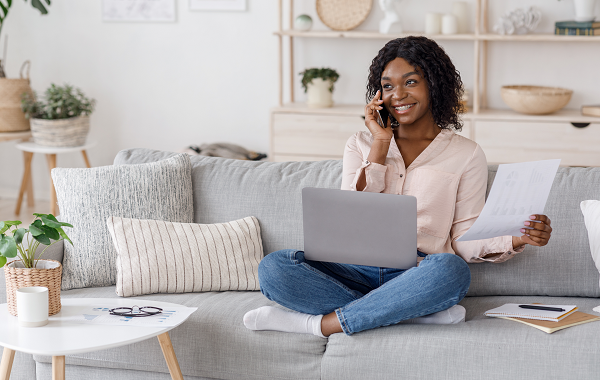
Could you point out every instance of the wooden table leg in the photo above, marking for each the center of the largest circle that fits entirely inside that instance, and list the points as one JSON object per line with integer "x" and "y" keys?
{"x": 7, "y": 361}
{"x": 51, "y": 158}
{"x": 58, "y": 368}
{"x": 85, "y": 158}
{"x": 169, "y": 353}
{"x": 25, "y": 182}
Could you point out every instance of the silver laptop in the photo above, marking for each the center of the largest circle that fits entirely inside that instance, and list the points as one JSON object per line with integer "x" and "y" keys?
{"x": 354, "y": 227}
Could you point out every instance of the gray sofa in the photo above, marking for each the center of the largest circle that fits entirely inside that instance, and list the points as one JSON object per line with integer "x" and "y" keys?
{"x": 214, "y": 344}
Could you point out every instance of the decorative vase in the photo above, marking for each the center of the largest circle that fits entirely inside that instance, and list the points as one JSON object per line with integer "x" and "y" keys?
{"x": 584, "y": 10}
{"x": 62, "y": 132}
{"x": 12, "y": 118}
{"x": 303, "y": 23}
{"x": 48, "y": 273}
{"x": 318, "y": 93}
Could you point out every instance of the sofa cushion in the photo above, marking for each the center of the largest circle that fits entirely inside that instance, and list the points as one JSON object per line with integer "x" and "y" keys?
{"x": 564, "y": 267}
{"x": 271, "y": 192}
{"x": 212, "y": 342}
{"x": 480, "y": 348}
{"x": 165, "y": 257}
{"x": 87, "y": 197}
{"x": 227, "y": 189}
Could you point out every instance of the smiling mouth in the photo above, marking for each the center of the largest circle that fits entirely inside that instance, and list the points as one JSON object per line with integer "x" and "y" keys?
{"x": 404, "y": 107}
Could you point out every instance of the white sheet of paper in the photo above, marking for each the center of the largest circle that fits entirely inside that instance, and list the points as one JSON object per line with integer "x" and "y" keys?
{"x": 99, "y": 315}
{"x": 519, "y": 190}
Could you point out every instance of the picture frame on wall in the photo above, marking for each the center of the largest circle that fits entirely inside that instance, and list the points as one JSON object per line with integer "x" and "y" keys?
{"x": 218, "y": 5}
{"x": 138, "y": 10}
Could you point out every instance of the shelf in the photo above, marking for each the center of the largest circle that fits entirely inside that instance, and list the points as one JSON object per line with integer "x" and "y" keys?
{"x": 537, "y": 38}
{"x": 371, "y": 35}
{"x": 564, "y": 115}
{"x": 449, "y": 37}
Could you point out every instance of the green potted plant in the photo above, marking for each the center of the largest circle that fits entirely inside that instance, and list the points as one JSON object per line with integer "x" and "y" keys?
{"x": 29, "y": 269}
{"x": 61, "y": 119}
{"x": 318, "y": 85}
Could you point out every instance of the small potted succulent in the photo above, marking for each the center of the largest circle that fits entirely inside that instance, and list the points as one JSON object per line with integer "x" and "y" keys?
{"x": 61, "y": 119}
{"x": 318, "y": 85}
{"x": 29, "y": 269}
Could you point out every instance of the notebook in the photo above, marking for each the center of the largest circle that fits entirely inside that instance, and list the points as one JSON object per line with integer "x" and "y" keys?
{"x": 573, "y": 319}
{"x": 362, "y": 228}
{"x": 513, "y": 310}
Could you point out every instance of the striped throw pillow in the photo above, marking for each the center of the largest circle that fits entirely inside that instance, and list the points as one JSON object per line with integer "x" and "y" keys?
{"x": 165, "y": 257}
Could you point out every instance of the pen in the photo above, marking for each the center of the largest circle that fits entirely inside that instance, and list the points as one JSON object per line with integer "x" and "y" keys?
{"x": 541, "y": 307}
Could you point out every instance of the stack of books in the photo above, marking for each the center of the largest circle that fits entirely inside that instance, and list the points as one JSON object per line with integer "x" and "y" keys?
{"x": 548, "y": 318}
{"x": 575, "y": 28}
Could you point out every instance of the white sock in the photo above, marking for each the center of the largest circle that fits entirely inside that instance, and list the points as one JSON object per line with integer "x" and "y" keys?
{"x": 455, "y": 314}
{"x": 273, "y": 318}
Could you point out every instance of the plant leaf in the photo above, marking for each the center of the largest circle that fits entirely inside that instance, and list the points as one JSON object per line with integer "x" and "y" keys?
{"x": 2, "y": 261}
{"x": 51, "y": 232}
{"x": 19, "y": 234}
{"x": 35, "y": 230}
{"x": 49, "y": 222}
{"x": 64, "y": 235}
{"x": 42, "y": 239}
{"x": 39, "y": 6}
{"x": 7, "y": 224}
{"x": 8, "y": 248}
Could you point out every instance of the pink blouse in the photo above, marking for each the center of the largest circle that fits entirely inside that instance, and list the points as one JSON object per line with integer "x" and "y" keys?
{"x": 449, "y": 180}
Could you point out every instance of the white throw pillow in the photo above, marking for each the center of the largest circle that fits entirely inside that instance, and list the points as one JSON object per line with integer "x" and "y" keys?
{"x": 165, "y": 257}
{"x": 591, "y": 217}
{"x": 86, "y": 197}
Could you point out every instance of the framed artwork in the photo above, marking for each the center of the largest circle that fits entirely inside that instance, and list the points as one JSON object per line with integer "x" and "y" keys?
{"x": 139, "y": 10}
{"x": 218, "y": 5}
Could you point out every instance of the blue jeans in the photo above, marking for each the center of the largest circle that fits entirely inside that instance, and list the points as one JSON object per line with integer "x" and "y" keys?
{"x": 363, "y": 297}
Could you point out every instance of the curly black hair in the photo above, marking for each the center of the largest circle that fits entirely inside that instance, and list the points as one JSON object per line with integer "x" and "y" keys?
{"x": 445, "y": 84}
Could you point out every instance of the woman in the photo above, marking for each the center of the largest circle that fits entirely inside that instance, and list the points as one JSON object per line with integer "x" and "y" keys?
{"x": 413, "y": 96}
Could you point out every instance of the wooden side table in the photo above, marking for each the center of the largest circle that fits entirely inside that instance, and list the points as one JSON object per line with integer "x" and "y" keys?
{"x": 29, "y": 148}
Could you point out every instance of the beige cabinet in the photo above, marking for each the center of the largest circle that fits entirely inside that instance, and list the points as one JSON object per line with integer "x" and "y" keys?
{"x": 509, "y": 142}
{"x": 318, "y": 134}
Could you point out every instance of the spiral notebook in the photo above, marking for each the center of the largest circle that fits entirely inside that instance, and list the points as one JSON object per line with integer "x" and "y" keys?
{"x": 513, "y": 310}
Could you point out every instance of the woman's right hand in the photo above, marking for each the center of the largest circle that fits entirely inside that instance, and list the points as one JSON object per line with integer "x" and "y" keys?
{"x": 373, "y": 120}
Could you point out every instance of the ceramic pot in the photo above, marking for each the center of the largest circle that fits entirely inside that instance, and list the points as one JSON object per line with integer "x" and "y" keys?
{"x": 318, "y": 94}
{"x": 584, "y": 10}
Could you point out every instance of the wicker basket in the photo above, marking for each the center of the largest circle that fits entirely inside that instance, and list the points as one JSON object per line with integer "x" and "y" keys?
{"x": 12, "y": 118}
{"x": 343, "y": 15}
{"x": 47, "y": 274}
{"x": 62, "y": 132}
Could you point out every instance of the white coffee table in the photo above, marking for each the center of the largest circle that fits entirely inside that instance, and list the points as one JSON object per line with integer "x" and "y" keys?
{"x": 59, "y": 338}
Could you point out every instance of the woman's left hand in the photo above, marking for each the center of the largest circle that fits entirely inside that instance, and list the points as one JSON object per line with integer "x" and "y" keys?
{"x": 536, "y": 231}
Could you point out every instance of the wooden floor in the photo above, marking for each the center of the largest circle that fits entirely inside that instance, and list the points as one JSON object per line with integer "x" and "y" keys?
{"x": 7, "y": 210}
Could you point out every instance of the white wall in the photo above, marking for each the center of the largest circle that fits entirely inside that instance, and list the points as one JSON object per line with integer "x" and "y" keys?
{"x": 212, "y": 76}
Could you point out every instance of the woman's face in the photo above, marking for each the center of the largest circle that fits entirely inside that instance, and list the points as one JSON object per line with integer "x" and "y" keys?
{"x": 405, "y": 92}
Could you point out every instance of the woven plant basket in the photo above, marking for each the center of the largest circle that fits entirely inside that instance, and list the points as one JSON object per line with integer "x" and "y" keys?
{"x": 18, "y": 277}
{"x": 62, "y": 132}
{"x": 12, "y": 118}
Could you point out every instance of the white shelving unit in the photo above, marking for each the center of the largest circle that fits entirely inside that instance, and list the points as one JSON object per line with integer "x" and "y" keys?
{"x": 287, "y": 119}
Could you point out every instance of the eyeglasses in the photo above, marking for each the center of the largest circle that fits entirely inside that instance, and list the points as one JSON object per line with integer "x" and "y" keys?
{"x": 135, "y": 311}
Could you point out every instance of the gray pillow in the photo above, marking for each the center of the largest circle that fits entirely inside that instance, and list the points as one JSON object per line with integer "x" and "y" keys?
{"x": 87, "y": 197}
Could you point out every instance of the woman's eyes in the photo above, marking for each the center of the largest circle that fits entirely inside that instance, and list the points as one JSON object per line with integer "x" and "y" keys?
{"x": 409, "y": 82}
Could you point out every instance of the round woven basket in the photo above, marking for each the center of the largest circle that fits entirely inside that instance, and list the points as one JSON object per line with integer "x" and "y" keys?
{"x": 343, "y": 14}
{"x": 535, "y": 100}
{"x": 19, "y": 277}
{"x": 62, "y": 132}
{"x": 12, "y": 118}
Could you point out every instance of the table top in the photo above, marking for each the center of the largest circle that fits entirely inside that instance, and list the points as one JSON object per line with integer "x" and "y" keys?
{"x": 7, "y": 136}
{"x": 60, "y": 338}
{"x": 30, "y": 146}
